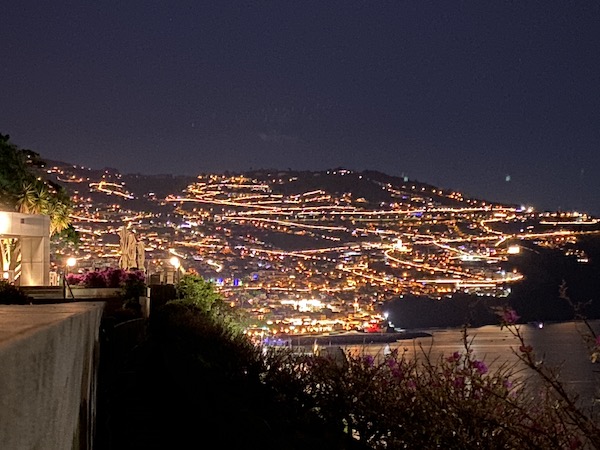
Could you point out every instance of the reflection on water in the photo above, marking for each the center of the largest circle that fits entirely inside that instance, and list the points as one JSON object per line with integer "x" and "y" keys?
{"x": 559, "y": 345}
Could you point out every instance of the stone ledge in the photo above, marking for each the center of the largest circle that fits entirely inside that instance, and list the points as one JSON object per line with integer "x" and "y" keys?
{"x": 48, "y": 371}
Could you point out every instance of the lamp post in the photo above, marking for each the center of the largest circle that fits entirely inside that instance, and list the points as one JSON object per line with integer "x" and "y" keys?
{"x": 70, "y": 263}
{"x": 176, "y": 265}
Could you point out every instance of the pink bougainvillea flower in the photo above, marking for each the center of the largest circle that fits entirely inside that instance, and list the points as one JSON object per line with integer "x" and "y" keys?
{"x": 525, "y": 348}
{"x": 480, "y": 366}
{"x": 459, "y": 382}
{"x": 454, "y": 357}
{"x": 510, "y": 316}
{"x": 397, "y": 373}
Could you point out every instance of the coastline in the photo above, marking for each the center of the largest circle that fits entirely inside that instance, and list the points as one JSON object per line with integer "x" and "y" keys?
{"x": 352, "y": 338}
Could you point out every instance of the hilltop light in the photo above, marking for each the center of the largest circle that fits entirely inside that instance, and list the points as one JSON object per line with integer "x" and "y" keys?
{"x": 514, "y": 250}
{"x": 399, "y": 246}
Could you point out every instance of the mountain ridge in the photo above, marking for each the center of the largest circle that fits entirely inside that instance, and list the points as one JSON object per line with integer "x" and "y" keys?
{"x": 337, "y": 180}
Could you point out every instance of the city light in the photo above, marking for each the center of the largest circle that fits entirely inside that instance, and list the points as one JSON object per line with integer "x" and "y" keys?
{"x": 319, "y": 261}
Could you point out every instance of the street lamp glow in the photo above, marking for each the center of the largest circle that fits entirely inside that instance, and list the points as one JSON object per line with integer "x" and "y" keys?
{"x": 71, "y": 261}
{"x": 175, "y": 262}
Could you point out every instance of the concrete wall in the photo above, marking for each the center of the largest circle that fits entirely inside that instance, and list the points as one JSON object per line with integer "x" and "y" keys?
{"x": 33, "y": 230}
{"x": 35, "y": 261}
{"x": 49, "y": 357}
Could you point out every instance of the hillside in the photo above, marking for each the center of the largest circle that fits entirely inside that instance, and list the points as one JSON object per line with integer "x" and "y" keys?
{"x": 354, "y": 243}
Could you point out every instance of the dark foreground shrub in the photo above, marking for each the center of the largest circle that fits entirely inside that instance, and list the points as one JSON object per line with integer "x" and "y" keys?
{"x": 216, "y": 375}
{"x": 457, "y": 402}
{"x": 12, "y": 295}
{"x": 204, "y": 346}
{"x": 285, "y": 399}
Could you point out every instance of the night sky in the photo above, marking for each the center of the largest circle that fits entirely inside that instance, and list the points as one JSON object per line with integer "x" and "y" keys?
{"x": 498, "y": 99}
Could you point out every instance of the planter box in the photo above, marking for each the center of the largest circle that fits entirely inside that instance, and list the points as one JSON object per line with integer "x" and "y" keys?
{"x": 111, "y": 297}
{"x": 80, "y": 292}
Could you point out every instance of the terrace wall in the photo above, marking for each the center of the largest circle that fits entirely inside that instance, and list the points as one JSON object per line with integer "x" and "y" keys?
{"x": 49, "y": 356}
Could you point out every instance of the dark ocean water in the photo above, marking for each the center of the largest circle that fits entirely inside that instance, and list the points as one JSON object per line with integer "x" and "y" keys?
{"x": 537, "y": 297}
{"x": 558, "y": 345}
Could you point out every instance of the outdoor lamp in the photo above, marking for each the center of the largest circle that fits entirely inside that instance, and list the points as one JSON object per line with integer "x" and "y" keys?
{"x": 175, "y": 262}
{"x": 71, "y": 261}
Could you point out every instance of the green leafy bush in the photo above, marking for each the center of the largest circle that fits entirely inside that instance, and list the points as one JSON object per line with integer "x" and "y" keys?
{"x": 194, "y": 289}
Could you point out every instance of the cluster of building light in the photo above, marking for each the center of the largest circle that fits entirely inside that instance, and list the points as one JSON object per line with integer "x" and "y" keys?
{"x": 366, "y": 254}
